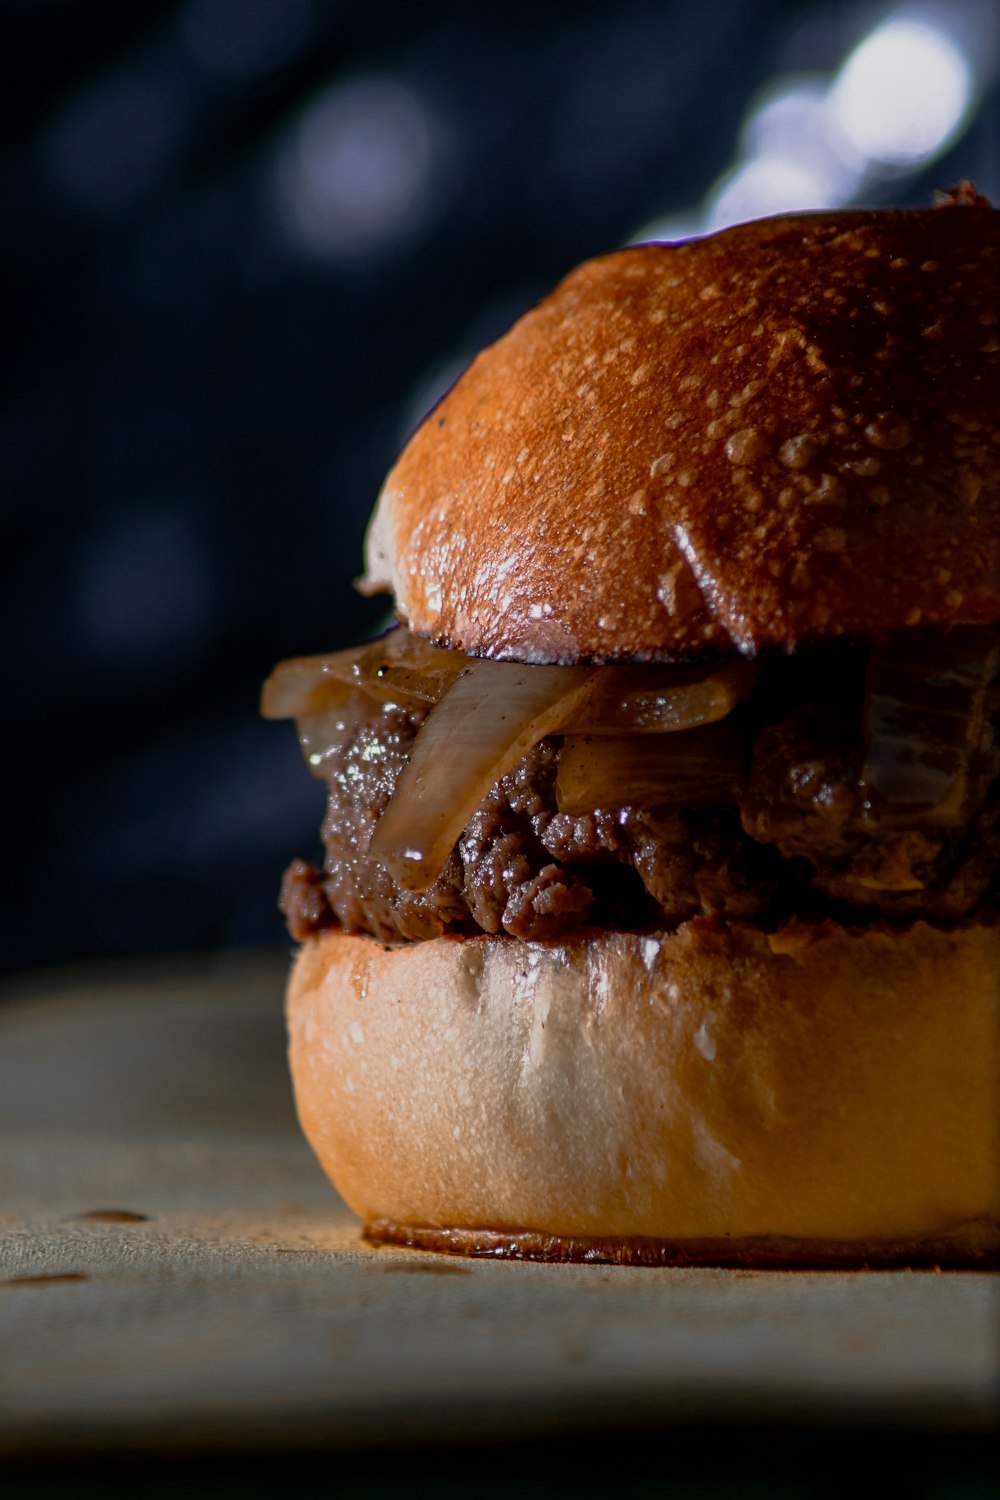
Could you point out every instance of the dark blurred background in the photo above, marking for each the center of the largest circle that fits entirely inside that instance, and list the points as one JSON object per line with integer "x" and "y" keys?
{"x": 245, "y": 245}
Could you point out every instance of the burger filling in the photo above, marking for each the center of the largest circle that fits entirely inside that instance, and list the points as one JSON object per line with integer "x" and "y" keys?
{"x": 475, "y": 796}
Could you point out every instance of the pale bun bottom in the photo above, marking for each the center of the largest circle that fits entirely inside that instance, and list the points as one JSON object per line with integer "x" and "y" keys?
{"x": 813, "y": 1097}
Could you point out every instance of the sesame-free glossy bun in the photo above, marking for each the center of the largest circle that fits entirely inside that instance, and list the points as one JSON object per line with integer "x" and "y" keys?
{"x": 784, "y": 432}
{"x": 719, "y": 1095}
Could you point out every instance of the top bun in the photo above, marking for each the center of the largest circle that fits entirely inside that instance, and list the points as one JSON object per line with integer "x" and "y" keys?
{"x": 778, "y": 434}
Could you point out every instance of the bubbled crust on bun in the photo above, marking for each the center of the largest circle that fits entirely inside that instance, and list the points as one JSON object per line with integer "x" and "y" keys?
{"x": 783, "y": 432}
{"x": 813, "y": 1096}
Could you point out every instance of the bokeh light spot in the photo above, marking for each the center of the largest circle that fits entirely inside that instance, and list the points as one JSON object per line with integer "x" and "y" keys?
{"x": 360, "y": 176}
{"x": 791, "y": 123}
{"x": 767, "y": 185}
{"x": 903, "y": 93}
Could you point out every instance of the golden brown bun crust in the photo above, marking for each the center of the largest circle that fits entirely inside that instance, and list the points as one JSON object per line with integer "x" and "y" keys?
{"x": 783, "y": 432}
{"x": 816, "y": 1097}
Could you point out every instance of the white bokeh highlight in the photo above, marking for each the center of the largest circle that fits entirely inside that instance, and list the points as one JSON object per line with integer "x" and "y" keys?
{"x": 900, "y": 98}
{"x": 359, "y": 179}
{"x": 904, "y": 93}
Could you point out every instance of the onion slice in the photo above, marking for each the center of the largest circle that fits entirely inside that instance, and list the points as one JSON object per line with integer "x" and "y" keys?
{"x": 491, "y": 716}
{"x": 405, "y": 669}
{"x": 661, "y": 700}
{"x": 929, "y": 750}
{"x": 702, "y": 766}
{"x": 399, "y": 668}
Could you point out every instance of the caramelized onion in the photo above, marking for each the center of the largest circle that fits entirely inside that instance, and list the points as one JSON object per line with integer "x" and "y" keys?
{"x": 490, "y": 717}
{"x": 329, "y": 695}
{"x": 929, "y": 750}
{"x": 403, "y": 668}
{"x": 658, "y": 700}
{"x": 398, "y": 668}
{"x": 696, "y": 766}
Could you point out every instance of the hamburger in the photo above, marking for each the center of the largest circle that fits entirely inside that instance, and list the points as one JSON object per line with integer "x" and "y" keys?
{"x": 658, "y": 915}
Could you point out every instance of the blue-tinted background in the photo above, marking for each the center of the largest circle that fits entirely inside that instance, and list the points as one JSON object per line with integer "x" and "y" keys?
{"x": 245, "y": 244}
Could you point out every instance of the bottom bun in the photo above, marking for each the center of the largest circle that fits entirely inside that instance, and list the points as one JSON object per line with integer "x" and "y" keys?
{"x": 709, "y": 1096}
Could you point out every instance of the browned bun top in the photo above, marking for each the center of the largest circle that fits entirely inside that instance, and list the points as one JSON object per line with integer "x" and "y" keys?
{"x": 780, "y": 433}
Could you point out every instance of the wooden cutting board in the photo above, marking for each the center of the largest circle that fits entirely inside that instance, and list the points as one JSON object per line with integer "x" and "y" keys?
{"x": 175, "y": 1272}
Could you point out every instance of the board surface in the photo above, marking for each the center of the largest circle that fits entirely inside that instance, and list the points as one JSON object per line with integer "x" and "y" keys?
{"x": 176, "y": 1272}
